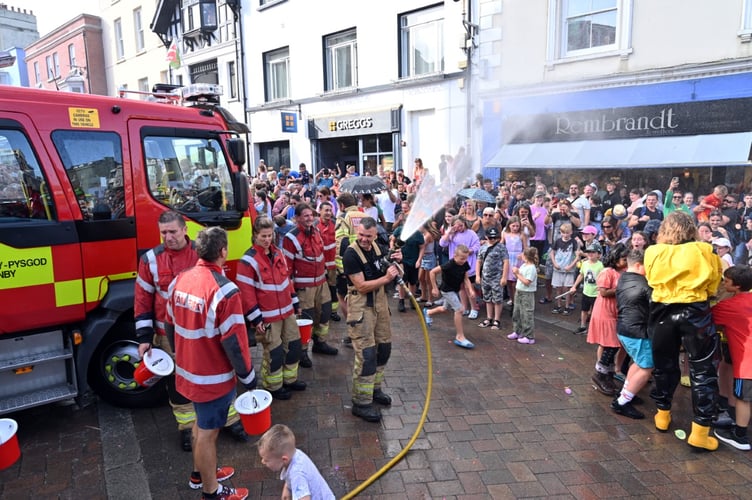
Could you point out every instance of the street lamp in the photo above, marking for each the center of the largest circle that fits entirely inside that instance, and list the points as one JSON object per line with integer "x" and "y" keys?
{"x": 208, "y": 13}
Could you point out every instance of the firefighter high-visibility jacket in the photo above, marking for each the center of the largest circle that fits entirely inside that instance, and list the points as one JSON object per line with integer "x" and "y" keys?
{"x": 265, "y": 285}
{"x": 156, "y": 270}
{"x": 346, "y": 228}
{"x": 211, "y": 343}
{"x": 327, "y": 230}
{"x": 304, "y": 251}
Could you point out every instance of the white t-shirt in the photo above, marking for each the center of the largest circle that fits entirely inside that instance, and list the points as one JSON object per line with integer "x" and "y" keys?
{"x": 303, "y": 479}
{"x": 387, "y": 205}
{"x": 581, "y": 204}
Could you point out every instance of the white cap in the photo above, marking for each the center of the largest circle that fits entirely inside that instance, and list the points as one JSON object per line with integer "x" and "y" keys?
{"x": 722, "y": 242}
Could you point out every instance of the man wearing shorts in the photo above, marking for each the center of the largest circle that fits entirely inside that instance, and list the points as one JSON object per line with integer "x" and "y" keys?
{"x": 633, "y": 303}
{"x": 205, "y": 315}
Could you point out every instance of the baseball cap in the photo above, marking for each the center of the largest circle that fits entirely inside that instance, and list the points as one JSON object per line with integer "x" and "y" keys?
{"x": 492, "y": 233}
{"x": 593, "y": 248}
{"x": 722, "y": 242}
{"x": 589, "y": 230}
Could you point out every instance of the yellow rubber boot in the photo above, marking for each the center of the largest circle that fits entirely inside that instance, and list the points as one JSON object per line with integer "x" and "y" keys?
{"x": 662, "y": 420}
{"x": 700, "y": 438}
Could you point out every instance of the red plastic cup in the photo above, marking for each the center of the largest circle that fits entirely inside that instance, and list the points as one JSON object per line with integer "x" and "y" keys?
{"x": 255, "y": 410}
{"x": 305, "y": 327}
{"x": 9, "y": 449}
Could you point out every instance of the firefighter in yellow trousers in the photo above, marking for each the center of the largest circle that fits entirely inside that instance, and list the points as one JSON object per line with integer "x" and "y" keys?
{"x": 368, "y": 318}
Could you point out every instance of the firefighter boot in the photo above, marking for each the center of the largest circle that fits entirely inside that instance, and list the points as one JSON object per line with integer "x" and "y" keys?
{"x": 321, "y": 347}
{"x": 368, "y": 412}
{"x": 699, "y": 438}
{"x": 305, "y": 361}
{"x": 185, "y": 440}
{"x": 663, "y": 420}
{"x": 382, "y": 398}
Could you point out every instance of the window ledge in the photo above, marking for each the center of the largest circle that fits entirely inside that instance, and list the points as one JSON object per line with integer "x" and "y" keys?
{"x": 270, "y": 4}
{"x": 621, "y": 53}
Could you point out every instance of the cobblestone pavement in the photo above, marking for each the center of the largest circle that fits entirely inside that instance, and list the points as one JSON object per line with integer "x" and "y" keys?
{"x": 501, "y": 424}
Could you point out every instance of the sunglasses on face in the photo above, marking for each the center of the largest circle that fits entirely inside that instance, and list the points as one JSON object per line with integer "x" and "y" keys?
{"x": 606, "y": 227}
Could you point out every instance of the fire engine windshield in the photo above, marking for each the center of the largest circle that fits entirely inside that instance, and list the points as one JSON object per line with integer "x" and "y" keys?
{"x": 23, "y": 189}
{"x": 189, "y": 174}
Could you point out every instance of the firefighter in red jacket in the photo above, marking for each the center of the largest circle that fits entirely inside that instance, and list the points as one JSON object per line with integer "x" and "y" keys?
{"x": 156, "y": 270}
{"x": 270, "y": 303}
{"x": 327, "y": 228}
{"x": 303, "y": 249}
{"x": 205, "y": 315}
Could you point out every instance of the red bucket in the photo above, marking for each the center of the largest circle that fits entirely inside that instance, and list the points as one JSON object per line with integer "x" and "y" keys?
{"x": 9, "y": 450}
{"x": 155, "y": 365}
{"x": 254, "y": 408}
{"x": 305, "y": 326}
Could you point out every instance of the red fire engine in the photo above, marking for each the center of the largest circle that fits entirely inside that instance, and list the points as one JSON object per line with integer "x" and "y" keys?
{"x": 83, "y": 180}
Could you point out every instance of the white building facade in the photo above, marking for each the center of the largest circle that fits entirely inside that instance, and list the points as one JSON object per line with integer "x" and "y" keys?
{"x": 628, "y": 90}
{"x": 374, "y": 85}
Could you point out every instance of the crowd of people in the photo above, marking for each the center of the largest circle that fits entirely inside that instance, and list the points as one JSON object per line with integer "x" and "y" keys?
{"x": 578, "y": 242}
{"x": 654, "y": 273}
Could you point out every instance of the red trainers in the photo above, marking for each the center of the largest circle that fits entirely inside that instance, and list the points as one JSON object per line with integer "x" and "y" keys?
{"x": 226, "y": 493}
{"x": 223, "y": 474}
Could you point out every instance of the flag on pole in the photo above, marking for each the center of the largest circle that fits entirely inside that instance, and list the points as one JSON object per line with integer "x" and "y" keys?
{"x": 173, "y": 55}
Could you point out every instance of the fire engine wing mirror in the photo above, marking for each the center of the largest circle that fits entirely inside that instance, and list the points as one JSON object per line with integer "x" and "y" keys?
{"x": 236, "y": 148}
{"x": 240, "y": 186}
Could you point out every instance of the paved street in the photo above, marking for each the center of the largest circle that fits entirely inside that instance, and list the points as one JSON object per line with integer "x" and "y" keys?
{"x": 500, "y": 425}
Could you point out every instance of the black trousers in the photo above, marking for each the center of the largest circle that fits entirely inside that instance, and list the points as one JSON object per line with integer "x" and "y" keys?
{"x": 671, "y": 326}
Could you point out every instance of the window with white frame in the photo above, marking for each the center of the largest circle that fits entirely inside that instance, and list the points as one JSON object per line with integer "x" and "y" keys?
{"x": 232, "y": 81}
{"x": 37, "y": 74}
{"x": 588, "y": 28}
{"x": 422, "y": 42}
{"x": 745, "y": 30}
{"x": 143, "y": 86}
{"x": 341, "y": 60}
{"x": 277, "y": 74}
{"x": 139, "y": 29}
{"x": 56, "y": 62}
{"x": 50, "y": 68}
{"x": 71, "y": 56}
{"x": 119, "y": 44}
{"x": 191, "y": 16}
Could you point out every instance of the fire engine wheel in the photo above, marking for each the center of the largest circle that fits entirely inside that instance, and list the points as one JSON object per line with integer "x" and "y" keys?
{"x": 111, "y": 371}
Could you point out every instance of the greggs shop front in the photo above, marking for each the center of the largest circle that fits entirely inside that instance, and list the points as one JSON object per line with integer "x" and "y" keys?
{"x": 699, "y": 130}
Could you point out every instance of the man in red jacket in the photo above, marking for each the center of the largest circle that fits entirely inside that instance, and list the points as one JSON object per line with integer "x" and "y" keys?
{"x": 156, "y": 270}
{"x": 303, "y": 249}
{"x": 205, "y": 312}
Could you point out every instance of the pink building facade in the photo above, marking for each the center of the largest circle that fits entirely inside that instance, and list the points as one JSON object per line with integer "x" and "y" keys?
{"x": 69, "y": 58}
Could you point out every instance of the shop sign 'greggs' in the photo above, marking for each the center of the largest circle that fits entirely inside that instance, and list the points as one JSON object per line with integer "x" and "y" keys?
{"x": 354, "y": 124}
{"x": 664, "y": 120}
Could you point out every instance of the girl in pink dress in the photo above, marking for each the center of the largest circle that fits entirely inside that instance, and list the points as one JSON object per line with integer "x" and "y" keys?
{"x": 516, "y": 242}
{"x": 602, "y": 330}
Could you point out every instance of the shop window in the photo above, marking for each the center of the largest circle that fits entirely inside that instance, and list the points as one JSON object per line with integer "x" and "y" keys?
{"x": 94, "y": 164}
{"x": 190, "y": 175}
{"x": 275, "y": 154}
{"x": 422, "y": 42}
{"x": 588, "y": 28}
{"x": 341, "y": 60}
{"x": 24, "y": 192}
{"x": 277, "y": 74}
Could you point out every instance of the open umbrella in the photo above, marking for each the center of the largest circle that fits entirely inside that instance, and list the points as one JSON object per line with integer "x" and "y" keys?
{"x": 363, "y": 184}
{"x": 477, "y": 195}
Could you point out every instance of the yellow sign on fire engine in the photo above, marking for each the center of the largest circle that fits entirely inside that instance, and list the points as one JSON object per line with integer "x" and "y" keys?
{"x": 84, "y": 117}
{"x": 25, "y": 267}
